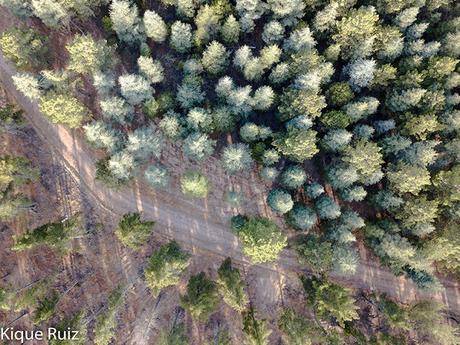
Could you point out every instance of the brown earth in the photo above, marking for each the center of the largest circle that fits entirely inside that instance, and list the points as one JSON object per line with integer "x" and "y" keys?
{"x": 200, "y": 226}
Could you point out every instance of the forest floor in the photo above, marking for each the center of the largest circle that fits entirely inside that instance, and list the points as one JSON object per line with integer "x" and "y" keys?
{"x": 202, "y": 227}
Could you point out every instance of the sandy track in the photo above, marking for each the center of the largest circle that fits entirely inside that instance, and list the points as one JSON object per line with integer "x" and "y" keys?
{"x": 200, "y": 226}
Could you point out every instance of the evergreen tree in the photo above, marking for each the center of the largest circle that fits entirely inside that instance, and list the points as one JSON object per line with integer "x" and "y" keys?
{"x": 28, "y": 85}
{"x": 144, "y": 143}
{"x": 132, "y": 231}
{"x": 236, "y": 157}
{"x": 280, "y": 201}
{"x": 331, "y": 301}
{"x": 194, "y": 184}
{"x": 215, "y": 58}
{"x": 181, "y": 37}
{"x": 198, "y": 146}
{"x": 301, "y": 217}
{"x": 230, "y": 30}
{"x": 256, "y": 331}
{"x": 293, "y": 177}
{"x": 231, "y": 286}
{"x": 296, "y": 329}
{"x": 297, "y": 145}
{"x": 157, "y": 176}
{"x": 201, "y": 298}
{"x": 165, "y": 267}
{"x": 152, "y": 70}
{"x": 327, "y": 208}
{"x": 106, "y": 322}
{"x": 262, "y": 239}
{"x": 63, "y": 109}
{"x": 134, "y": 88}
{"x": 87, "y": 55}
{"x": 126, "y": 22}
{"x": 155, "y": 27}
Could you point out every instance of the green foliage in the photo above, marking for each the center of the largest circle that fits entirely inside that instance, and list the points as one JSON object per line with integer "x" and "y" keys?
{"x": 339, "y": 94}
{"x": 181, "y": 37}
{"x": 255, "y": 330}
{"x": 176, "y": 336}
{"x": 406, "y": 178}
{"x": 215, "y": 58}
{"x": 262, "y": 239}
{"x": 298, "y": 145}
{"x": 86, "y": 55}
{"x": 132, "y": 231}
{"x": 194, "y": 184}
{"x": 106, "y": 322}
{"x": 151, "y": 69}
{"x": 157, "y": 176}
{"x": 57, "y": 236}
{"x": 236, "y": 157}
{"x": 24, "y": 47}
{"x": 75, "y": 323}
{"x": 301, "y": 217}
{"x": 331, "y": 301}
{"x": 155, "y": 27}
{"x": 201, "y": 298}
{"x": 198, "y": 146}
{"x": 293, "y": 177}
{"x": 296, "y": 329}
{"x": 135, "y": 88}
{"x": 125, "y": 21}
{"x": 280, "y": 201}
{"x": 231, "y": 286}
{"x": 327, "y": 208}
{"x": 16, "y": 171}
{"x": 315, "y": 253}
{"x": 165, "y": 267}
{"x": 366, "y": 158}
{"x": 64, "y": 109}
{"x": 46, "y": 307}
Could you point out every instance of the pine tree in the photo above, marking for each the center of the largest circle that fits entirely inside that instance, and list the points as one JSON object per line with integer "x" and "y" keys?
{"x": 53, "y": 13}
{"x": 106, "y": 322}
{"x": 301, "y": 217}
{"x": 296, "y": 329}
{"x": 87, "y": 55}
{"x": 406, "y": 178}
{"x": 230, "y": 30}
{"x": 194, "y": 184}
{"x": 116, "y": 108}
{"x": 181, "y": 37}
{"x": 135, "y": 88}
{"x": 280, "y": 201}
{"x": 236, "y": 157}
{"x": 262, "y": 239}
{"x": 155, "y": 27}
{"x": 298, "y": 145}
{"x": 28, "y": 85}
{"x": 126, "y": 22}
{"x": 293, "y": 177}
{"x": 152, "y": 70}
{"x": 165, "y": 267}
{"x": 157, "y": 176}
{"x": 201, "y": 298}
{"x": 327, "y": 208}
{"x": 63, "y": 109}
{"x": 145, "y": 143}
{"x": 231, "y": 286}
{"x": 331, "y": 301}
{"x": 103, "y": 136}
{"x": 256, "y": 331}
{"x": 198, "y": 146}
{"x": 132, "y": 231}
{"x": 215, "y": 58}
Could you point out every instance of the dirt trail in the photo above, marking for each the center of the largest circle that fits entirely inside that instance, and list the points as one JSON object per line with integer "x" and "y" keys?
{"x": 200, "y": 226}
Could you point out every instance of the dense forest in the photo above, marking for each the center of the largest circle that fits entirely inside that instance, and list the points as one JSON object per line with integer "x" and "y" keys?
{"x": 347, "y": 109}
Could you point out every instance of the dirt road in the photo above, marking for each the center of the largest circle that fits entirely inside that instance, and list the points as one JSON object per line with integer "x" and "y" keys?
{"x": 200, "y": 226}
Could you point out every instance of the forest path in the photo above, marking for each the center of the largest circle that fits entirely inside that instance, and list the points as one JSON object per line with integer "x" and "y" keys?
{"x": 199, "y": 226}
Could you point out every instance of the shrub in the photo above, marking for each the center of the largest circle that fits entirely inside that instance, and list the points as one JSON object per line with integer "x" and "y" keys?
{"x": 194, "y": 184}
{"x": 280, "y": 201}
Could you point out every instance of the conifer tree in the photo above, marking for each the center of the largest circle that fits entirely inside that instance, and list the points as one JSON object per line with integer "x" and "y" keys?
{"x": 201, "y": 298}
{"x": 231, "y": 286}
{"x": 165, "y": 267}
{"x": 132, "y": 231}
